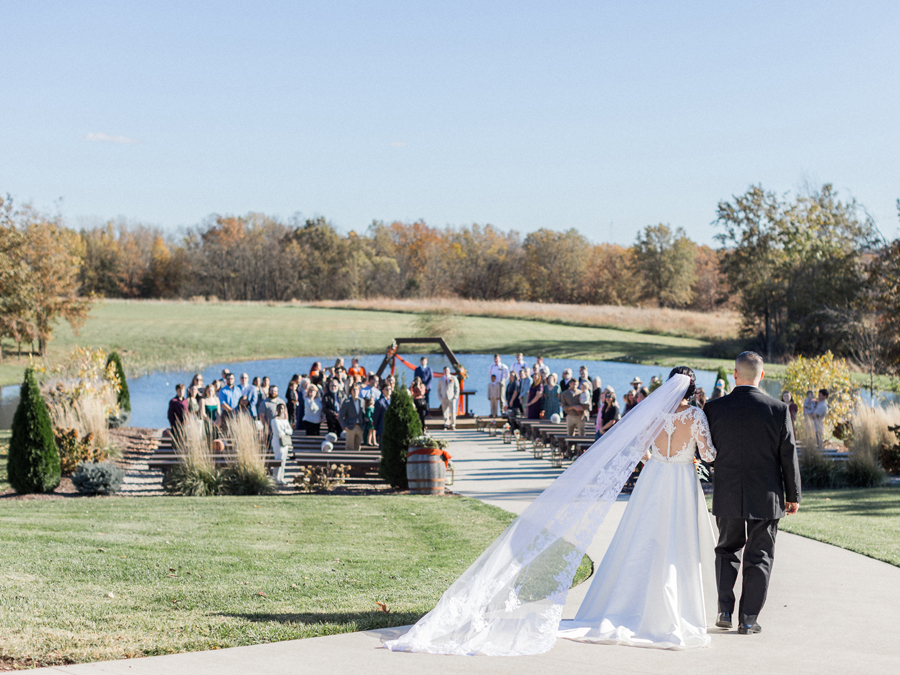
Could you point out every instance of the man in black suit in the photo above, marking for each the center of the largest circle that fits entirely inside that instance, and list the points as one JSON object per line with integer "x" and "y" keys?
{"x": 381, "y": 406}
{"x": 756, "y": 483}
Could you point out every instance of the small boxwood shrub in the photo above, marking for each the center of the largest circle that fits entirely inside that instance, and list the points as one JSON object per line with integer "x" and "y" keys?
{"x": 98, "y": 478}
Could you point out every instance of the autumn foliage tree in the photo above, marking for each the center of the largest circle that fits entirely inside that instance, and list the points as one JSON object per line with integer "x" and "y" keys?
{"x": 664, "y": 265}
{"x": 45, "y": 260}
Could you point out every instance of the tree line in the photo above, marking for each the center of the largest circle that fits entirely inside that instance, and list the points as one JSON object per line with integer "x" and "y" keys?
{"x": 807, "y": 272}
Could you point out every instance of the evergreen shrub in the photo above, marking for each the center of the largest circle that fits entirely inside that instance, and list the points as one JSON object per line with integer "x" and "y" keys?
{"x": 401, "y": 425}
{"x": 98, "y": 478}
{"x": 123, "y": 398}
{"x": 33, "y": 461}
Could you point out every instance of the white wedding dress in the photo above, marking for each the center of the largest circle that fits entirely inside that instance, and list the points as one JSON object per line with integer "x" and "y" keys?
{"x": 649, "y": 589}
{"x": 509, "y": 602}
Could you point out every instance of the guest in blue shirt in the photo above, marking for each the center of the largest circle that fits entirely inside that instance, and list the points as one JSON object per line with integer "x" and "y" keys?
{"x": 424, "y": 373}
{"x": 370, "y": 391}
{"x": 229, "y": 396}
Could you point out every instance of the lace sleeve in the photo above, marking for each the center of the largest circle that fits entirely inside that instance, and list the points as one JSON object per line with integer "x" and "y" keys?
{"x": 700, "y": 434}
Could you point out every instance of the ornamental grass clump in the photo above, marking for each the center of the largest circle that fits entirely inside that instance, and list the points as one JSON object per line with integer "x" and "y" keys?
{"x": 401, "y": 425}
{"x": 81, "y": 393}
{"x": 247, "y": 474}
{"x": 98, "y": 478}
{"x": 195, "y": 474}
{"x": 870, "y": 431}
{"x": 33, "y": 460}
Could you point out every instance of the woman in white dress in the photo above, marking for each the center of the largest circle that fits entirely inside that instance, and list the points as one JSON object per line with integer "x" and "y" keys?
{"x": 281, "y": 439}
{"x": 647, "y": 591}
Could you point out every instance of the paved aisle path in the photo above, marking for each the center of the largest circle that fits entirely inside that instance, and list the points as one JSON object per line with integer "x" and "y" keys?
{"x": 829, "y": 611}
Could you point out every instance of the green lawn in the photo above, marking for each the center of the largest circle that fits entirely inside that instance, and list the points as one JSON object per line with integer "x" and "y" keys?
{"x": 865, "y": 521}
{"x": 103, "y": 578}
{"x": 186, "y": 334}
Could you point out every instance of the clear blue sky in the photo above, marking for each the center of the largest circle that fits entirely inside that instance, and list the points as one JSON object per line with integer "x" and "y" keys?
{"x": 604, "y": 116}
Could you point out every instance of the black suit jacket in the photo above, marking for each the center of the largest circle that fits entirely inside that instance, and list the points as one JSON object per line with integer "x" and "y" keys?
{"x": 381, "y": 406}
{"x": 756, "y": 467}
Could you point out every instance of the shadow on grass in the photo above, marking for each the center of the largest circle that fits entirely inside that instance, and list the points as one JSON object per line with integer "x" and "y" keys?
{"x": 354, "y": 621}
{"x": 865, "y": 502}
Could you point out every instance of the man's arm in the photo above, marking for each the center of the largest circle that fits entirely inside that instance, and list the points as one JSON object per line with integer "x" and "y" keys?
{"x": 790, "y": 465}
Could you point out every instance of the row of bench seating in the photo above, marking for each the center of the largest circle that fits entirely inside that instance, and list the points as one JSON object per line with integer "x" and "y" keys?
{"x": 306, "y": 451}
{"x": 544, "y": 434}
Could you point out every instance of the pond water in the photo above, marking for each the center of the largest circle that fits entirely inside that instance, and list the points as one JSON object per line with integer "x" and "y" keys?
{"x": 150, "y": 394}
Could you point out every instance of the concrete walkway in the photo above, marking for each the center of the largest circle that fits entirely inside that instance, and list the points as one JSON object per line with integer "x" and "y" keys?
{"x": 828, "y": 611}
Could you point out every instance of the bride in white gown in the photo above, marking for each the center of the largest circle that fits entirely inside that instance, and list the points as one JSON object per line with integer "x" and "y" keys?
{"x": 647, "y": 591}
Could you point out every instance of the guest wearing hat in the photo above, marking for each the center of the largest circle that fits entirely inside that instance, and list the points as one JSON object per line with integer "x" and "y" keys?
{"x": 636, "y": 384}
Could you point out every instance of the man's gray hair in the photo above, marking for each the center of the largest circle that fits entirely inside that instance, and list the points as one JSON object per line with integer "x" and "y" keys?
{"x": 749, "y": 365}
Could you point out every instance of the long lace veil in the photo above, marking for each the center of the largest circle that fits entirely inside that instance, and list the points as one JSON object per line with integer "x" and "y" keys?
{"x": 510, "y": 600}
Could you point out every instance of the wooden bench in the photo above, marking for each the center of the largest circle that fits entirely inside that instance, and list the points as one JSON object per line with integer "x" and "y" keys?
{"x": 163, "y": 461}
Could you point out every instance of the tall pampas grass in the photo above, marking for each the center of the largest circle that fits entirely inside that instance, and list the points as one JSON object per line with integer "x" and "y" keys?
{"x": 87, "y": 415}
{"x": 247, "y": 474}
{"x": 196, "y": 473}
{"x": 869, "y": 432}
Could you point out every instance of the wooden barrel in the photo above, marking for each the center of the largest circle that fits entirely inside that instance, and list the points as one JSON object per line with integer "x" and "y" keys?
{"x": 425, "y": 471}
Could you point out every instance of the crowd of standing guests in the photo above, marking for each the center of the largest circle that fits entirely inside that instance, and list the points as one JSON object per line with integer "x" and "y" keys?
{"x": 350, "y": 401}
{"x": 531, "y": 391}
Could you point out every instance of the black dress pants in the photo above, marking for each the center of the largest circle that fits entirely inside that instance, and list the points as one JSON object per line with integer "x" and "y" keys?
{"x": 756, "y": 539}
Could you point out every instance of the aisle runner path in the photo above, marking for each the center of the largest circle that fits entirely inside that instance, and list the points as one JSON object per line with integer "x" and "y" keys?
{"x": 829, "y": 611}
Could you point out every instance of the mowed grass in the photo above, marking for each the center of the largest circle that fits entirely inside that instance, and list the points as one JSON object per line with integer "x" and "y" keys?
{"x": 154, "y": 335}
{"x": 863, "y": 520}
{"x": 104, "y": 578}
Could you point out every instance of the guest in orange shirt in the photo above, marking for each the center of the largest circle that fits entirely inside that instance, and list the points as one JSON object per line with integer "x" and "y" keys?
{"x": 357, "y": 369}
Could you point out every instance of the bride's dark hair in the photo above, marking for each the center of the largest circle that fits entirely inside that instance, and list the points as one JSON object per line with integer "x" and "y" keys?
{"x": 684, "y": 370}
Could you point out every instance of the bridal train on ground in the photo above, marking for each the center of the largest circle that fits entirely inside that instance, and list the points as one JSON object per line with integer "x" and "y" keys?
{"x": 510, "y": 600}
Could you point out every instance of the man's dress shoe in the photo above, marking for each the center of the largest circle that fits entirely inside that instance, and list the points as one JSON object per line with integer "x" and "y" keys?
{"x": 723, "y": 620}
{"x": 748, "y": 628}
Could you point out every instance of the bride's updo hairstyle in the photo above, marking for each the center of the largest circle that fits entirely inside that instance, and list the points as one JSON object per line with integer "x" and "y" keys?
{"x": 684, "y": 370}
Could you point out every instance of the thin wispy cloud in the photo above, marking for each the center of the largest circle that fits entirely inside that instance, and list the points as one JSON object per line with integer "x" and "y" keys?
{"x": 106, "y": 138}
{"x": 398, "y": 144}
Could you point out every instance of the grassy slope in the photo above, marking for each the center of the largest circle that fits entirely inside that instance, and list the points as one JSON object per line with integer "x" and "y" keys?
{"x": 154, "y": 334}
{"x": 321, "y": 563}
{"x": 865, "y": 521}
